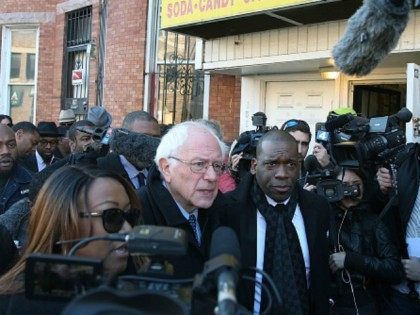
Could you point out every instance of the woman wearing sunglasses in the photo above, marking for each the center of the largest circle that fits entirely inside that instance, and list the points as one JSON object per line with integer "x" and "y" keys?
{"x": 73, "y": 203}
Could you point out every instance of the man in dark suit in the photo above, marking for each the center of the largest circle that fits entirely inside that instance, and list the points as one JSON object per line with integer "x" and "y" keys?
{"x": 282, "y": 229}
{"x": 44, "y": 154}
{"x": 126, "y": 159}
{"x": 182, "y": 191}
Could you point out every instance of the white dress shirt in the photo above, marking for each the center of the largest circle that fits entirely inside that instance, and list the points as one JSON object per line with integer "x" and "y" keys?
{"x": 299, "y": 225}
{"x": 40, "y": 161}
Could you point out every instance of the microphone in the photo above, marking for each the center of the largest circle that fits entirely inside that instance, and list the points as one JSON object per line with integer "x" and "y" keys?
{"x": 311, "y": 164}
{"x": 338, "y": 122}
{"x": 224, "y": 262}
{"x": 372, "y": 32}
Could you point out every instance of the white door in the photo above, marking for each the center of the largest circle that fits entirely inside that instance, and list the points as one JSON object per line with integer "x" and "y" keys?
{"x": 413, "y": 102}
{"x": 305, "y": 100}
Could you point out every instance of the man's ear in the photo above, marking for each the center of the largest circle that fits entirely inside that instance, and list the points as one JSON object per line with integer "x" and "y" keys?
{"x": 19, "y": 134}
{"x": 164, "y": 168}
{"x": 253, "y": 169}
{"x": 72, "y": 145}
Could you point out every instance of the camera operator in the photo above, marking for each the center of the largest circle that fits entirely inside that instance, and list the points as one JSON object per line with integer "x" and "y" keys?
{"x": 74, "y": 203}
{"x": 364, "y": 254}
{"x": 405, "y": 218}
{"x": 244, "y": 149}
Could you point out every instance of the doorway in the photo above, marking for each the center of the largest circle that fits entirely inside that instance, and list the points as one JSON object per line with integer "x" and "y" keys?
{"x": 379, "y": 100}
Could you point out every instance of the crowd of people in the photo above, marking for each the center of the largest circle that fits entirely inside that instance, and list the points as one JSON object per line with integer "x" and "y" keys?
{"x": 68, "y": 182}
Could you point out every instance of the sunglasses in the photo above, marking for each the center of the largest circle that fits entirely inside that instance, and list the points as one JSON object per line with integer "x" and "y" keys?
{"x": 112, "y": 219}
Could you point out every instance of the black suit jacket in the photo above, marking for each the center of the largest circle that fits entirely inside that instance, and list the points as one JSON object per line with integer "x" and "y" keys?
{"x": 112, "y": 162}
{"x": 30, "y": 163}
{"x": 159, "y": 208}
{"x": 242, "y": 217}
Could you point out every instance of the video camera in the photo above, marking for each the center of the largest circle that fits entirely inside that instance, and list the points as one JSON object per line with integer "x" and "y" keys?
{"x": 80, "y": 280}
{"x": 247, "y": 141}
{"x": 98, "y": 134}
{"x": 326, "y": 182}
{"x": 357, "y": 141}
{"x": 61, "y": 278}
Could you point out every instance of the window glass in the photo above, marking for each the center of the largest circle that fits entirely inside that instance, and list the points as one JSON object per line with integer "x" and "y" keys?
{"x": 21, "y": 85}
{"x": 15, "y": 66}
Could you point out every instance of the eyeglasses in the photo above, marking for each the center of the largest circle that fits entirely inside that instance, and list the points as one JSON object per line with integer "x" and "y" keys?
{"x": 112, "y": 219}
{"x": 202, "y": 166}
{"x": 293, "y": 123}
{"x": 44, "y": 142}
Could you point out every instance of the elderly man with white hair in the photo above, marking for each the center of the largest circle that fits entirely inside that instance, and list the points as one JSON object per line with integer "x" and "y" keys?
{"x": 182, "y": 191}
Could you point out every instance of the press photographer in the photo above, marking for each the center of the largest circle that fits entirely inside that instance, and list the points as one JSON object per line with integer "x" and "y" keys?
{"x": 364, "y": 258}
{"x": 324, "y": 181}
{"x": 402, "y": 218}
{"x": 247, "y": 144}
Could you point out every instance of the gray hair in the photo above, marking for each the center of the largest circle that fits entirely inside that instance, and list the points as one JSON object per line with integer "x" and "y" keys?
{"x": 213, "y": 124}
{"x": 178, "y": 134}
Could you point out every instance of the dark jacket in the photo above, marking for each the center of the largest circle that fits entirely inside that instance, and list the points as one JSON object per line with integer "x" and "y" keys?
{"x": 9, "y": 253}
{"x": 242, "y": 217}
{"x": 112, "y": 162}
{"x": 408, "y": 177}
{"x": 159, "y": 208}
{"x": 31, "y": 164}
{"x": 17, "y": 187}
{"x": 372, "y": 257}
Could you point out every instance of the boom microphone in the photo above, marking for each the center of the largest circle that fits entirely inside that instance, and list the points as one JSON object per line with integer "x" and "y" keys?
{"x": 139, "y": 149}
{"x": 338, "y": 122}
{"x": 372, "y": 32}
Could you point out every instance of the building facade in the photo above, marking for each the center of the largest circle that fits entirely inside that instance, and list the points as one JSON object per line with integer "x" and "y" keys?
{"x": 71, "y": 54}
{"x": 59, "y": 54}
{"x": 276, "y": 57}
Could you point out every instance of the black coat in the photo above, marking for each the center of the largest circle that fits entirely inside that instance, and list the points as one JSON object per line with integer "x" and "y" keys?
{"x": 242, "y": 217}
{"x": 372, "y": 256}
{"x": 30, "y": 162}
{"x": 112, "y": 162}
{"x": 159, "y": 208}
{"x": 16, "y": 188}
{"x": 408, "y": 178}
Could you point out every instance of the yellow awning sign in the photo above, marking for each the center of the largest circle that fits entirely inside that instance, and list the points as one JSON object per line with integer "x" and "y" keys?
{"x": 185, "y": 12}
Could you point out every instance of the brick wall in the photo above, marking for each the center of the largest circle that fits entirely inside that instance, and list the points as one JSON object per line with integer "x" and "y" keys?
{"x": 124, "y": 55}
{"x": 125, "y": 48}
{"x": 10, "y": 6}
{"x": 225, "y": 99}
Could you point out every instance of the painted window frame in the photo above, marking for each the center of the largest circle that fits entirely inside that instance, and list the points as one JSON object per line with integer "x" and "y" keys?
{"x": 5, "y": 58}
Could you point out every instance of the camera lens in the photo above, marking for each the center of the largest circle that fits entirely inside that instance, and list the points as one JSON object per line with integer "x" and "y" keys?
{"x": 329, "y": 192}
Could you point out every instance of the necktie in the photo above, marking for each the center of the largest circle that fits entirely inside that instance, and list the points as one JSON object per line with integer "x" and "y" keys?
{"x": 193, "y": 222}
{"x": 141, "y": 179}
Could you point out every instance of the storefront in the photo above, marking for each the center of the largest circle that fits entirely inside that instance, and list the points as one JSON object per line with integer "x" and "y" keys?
{"x": 287, "y": 70}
